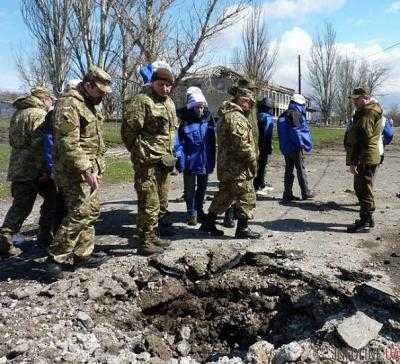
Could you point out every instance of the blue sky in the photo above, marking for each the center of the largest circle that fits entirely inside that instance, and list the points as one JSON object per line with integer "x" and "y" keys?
{"x": 363, "y": 28}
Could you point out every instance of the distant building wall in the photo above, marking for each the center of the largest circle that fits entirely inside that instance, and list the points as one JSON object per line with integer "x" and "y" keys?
{"x": 216, "y": 83}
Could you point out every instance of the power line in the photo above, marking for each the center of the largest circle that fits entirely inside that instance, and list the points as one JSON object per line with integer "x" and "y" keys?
{"x": 371, "y": 55}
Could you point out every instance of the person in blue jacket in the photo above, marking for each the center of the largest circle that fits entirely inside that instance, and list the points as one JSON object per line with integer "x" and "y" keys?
{"x": 47, "y": 176}
{"x": 195, "y": 151}
{"x": 295, "y": 137}
{"x": 265, "y": 129}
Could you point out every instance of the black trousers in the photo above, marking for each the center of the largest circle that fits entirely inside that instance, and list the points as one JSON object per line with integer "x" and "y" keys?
{"x": 259, "y": 181}
{"x": 295, "y": 160}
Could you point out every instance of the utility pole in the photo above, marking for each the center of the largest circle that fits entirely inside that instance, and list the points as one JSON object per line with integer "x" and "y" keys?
{"x": 299, "y": 61}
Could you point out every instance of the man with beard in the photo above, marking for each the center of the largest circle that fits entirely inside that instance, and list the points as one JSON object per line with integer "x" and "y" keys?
{"x": 79, "y": 165}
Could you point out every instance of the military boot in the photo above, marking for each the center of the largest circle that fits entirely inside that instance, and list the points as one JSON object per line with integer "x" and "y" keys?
{"x": 45, "y": 237}
{"x": 149, "y": 248}
{"x": 208, "y": 226}
{"x": 165, "y": 228}
{"x": 155, "y": 239}
{"x": 244, "y": 232}
{"x": 362, "y": 225}
{"x": 7, "y": 248}
{"x": 229, "y": 220}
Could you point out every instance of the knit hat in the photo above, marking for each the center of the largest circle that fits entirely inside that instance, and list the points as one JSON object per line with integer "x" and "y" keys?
{"x": 298, "y": 99}
{"x": 163, "y": 74}
{"x": 194, "y": 97}
{"x": 267, "y": 103}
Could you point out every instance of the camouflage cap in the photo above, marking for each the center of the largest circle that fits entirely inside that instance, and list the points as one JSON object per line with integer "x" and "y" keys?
{"x": 246, "y": 83}
{"x": 245, "y": 93}
{"x": 359, "y": 92}
{"x": 100, "y": 77}
{"x": 42, "y": 91}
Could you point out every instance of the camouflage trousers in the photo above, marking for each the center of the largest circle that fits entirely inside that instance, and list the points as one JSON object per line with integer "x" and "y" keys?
{"x": 24, "y": 194}
{"x": 152, "y": 187}
{"x": 239, "y": 193}
{"x": 75, "y": 237}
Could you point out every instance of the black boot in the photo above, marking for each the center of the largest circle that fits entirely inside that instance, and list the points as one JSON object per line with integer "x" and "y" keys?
{"x": 165, "y": 229}
{"x": 244, "y": 232}
{"x": 208, "y": 226}
{"x": 362, "y": 225}
{"x": 229, "y": 221}
{"x": 201, "y": 216}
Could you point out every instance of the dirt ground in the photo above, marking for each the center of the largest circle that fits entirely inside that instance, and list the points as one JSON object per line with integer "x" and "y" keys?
{"x": 46, "y": 316}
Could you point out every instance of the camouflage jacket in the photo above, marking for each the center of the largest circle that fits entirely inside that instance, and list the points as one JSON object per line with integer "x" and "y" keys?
{"x": 362, "y": 139}
{"x": 148, "y": 127}
{"x": 236, "y": 147}
{"x": 25, "y": 139}
{"x": 78, "y": 140}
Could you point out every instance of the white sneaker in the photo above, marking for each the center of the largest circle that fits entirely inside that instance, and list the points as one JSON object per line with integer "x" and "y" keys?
{"x": 264, "y": 192}
{"x": 268, "y": 187}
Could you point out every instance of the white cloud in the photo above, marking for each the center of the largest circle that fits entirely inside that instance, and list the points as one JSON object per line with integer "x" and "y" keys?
{"x": 394, "y": 7}
{"x": 360, "y": 22}
{"x": 298, "y": 41}
{"x": 293, "y": 42}
{"x": 289, "y": 9}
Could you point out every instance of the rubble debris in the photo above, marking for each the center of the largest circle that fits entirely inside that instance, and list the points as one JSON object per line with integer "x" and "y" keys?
{"x": 358, "y": 330}
{"x": 164, "y": 291}
{"x": 260, "y": 353}
{"x": 288, "y": 353}
{"x": 359, "y": 275}
{"x": 379, "y": 294}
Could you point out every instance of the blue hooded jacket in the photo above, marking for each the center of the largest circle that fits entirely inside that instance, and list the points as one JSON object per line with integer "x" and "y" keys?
{"x": 265, "y": 128}
{"x": 293, "y": 130}
{"x": 387, "y": 133}
{"x": 195, "y": 142}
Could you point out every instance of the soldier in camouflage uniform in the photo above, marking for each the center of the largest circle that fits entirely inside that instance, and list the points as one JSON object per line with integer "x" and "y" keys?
{"x": 237, "y": 164}
{"x": 229, "y": 219}
{"x": 79, "y": 165}
{"x": 148, "y": 130}
{"x": 24, "y": 169}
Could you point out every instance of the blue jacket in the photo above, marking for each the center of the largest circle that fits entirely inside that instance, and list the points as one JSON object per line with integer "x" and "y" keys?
{"x": 48, "y": 144}
{"x": 387, "y": 133}
{"x": 293, "y": 130}
{"x": 195, "y": 142}
{"x": 265, "y": 128}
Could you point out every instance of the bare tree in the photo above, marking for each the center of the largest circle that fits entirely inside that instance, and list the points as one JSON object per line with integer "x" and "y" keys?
{"x": 92, "y": 34}
{"x": 257, "y": 56}
{"x": 48, "y": 21}
{"x": 32, "y": 69}
{"x": 350, "y": 74}
{"x": 205, "y": 23}
{"x": 373, "y": 75}
{"x": 345, "y": 83}
{"x": 394, "y": 114}
{"x": 322, "y": 70}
